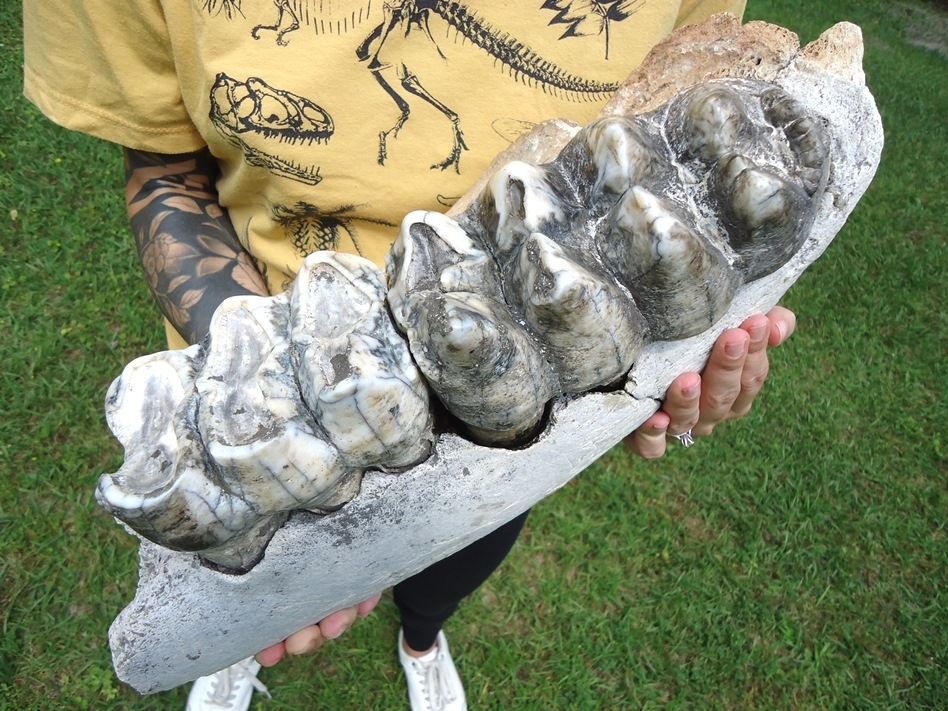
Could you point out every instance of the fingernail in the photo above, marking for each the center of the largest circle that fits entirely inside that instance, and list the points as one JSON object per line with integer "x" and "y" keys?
{"x": 735, "y": 349}
{"x": 780, "y": 334}
{"x": 691, "y": 390}
{"x": 311, "y": 647}
{"x": 337, "y": 634}
{"x": 758, "y": 333}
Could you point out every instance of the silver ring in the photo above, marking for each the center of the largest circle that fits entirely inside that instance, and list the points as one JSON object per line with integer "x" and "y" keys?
{"x": 685, "y": 438}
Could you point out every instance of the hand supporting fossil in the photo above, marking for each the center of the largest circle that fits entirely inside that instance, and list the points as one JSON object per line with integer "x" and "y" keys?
{"x": 735, "y": 373}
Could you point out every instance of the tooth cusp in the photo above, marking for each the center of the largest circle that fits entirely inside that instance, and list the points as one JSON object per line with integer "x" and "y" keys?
{"x": 591, "y": 331}
{"x": 766, "y": 216}
{"x": 711, "y": 121}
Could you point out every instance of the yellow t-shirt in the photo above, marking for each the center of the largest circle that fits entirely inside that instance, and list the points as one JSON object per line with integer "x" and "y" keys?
{"x": 332, "y": 119}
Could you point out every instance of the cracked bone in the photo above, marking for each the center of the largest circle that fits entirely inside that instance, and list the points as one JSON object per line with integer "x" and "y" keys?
{"x": 189, "y": 620}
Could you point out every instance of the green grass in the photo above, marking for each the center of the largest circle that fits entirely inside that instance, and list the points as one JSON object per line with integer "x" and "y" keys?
{"x": 797, "y": 559}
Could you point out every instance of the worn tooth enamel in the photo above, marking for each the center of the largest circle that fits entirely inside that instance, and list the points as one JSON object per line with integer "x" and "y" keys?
{"x": 806, "y": 137}
{"x": 354, "y": 370}
{"x": 140, "y": 409}
{"x": 484, "y": 368}
{"x": 155, "y": 488}
{"x": 715, "y": 122}
{"x": 679, "y": 281}
{"x": 729, "y": 179}
{"x": 523, "y": 201}
{"x": 810, "y": 146}
{"x": 779, "y": 107}
{"x": 220, "y": 444}
{"x": 808, "y": 141}
{"x": 620, "y": 152}
{"x": 374, "y": 414}
{"x": 139, "y": 405}
{"x": 766, "y": 216}
{"x": 167, "y": 489}
{"x": 592, "y": 330}
{"x": 250, "y": 414}
{"x": 433, "y": 252}
{"x": 755, "y": 194}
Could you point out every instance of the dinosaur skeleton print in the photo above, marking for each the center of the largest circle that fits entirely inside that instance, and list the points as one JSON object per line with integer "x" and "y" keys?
{"x": 239, "y": 108}
{"x": 330, "y": 120}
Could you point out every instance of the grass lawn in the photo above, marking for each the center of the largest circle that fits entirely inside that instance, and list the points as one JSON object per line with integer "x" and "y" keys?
{"x": 797, "y": 559}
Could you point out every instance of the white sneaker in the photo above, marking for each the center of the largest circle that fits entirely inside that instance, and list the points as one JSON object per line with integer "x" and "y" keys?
{"x": 230, "y": 688}
{"x": 433, "y": 681}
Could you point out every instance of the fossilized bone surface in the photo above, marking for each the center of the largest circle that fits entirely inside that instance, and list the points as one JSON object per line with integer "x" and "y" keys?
{"x": 551, "y": 283}
{"x": 188, "y": 620}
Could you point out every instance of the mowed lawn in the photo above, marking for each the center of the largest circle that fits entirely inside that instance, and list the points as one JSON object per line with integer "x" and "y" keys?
{"x": 797, "y": 559}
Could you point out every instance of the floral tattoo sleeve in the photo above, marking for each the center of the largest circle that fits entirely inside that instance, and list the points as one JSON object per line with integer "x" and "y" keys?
{"x": 189, "y": 250}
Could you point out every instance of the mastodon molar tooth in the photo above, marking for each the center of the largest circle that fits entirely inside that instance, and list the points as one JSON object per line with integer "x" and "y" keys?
{"x": 779, "y": 107}
{"x": 354, "y": 370}
{"x": 141, "y": 402}
{"x": 162, "y": 490}
{"x": 483, "y": 366}
{"x": 523, "y": 199}
{"x": 251, "y": 416}
{"x": 592, "y": 330}
{"x": 766, "y": 216}
{"x": 220, "y": 442}
{"x": 710, "y": 121}
{"x": 680, "y": 281}
{"x": 173, "y": 494}
{"x": 805, "y": 135}
{"x": 544, "y": 286}
{"x": 140, "y": 409}
{"x": 348, "y": 285}
{"x": 376, "y": 411}
{"x": 193, "y": 513}
{"x": 621, "y": 151}
{"x": 432, "y": 251}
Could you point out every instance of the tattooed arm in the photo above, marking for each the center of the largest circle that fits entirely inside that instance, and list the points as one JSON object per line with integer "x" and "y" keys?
{"x": 188, "y": 248}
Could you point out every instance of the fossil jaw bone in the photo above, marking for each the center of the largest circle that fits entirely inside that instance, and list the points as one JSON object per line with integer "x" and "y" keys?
{"x": 550, "y": 283}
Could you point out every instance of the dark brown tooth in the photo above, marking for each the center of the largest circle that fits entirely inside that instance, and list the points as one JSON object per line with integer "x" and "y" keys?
{"x": 805, "y": 135}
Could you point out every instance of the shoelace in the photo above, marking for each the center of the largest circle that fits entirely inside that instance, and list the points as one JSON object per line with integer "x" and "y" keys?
{"x": 440, "y": 691}
{"x": 222, "y": 693}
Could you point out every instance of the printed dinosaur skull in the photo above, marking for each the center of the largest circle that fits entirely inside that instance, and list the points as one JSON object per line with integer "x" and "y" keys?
{"x": 255, "y": 117}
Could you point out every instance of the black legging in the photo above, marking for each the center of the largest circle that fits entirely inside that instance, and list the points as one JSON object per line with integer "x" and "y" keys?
{"x": 428, "y": 599}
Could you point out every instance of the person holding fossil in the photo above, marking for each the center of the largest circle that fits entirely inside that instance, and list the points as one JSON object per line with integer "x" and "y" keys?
{"x": 255, "y": 134}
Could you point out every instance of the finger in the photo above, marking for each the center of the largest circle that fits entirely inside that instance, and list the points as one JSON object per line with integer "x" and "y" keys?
{"x": 332, "y": 626}
{"x": 721, "y": 379}
{"x": 271, "y": 655}
{"x": 306, "y": 640}
{"x": 783, "y": 322}
{"x": 648, "y": 441}
{"x": 756, "y": 365}
{"x": 682, "y": 400}
{"x": 366, "y": 606}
